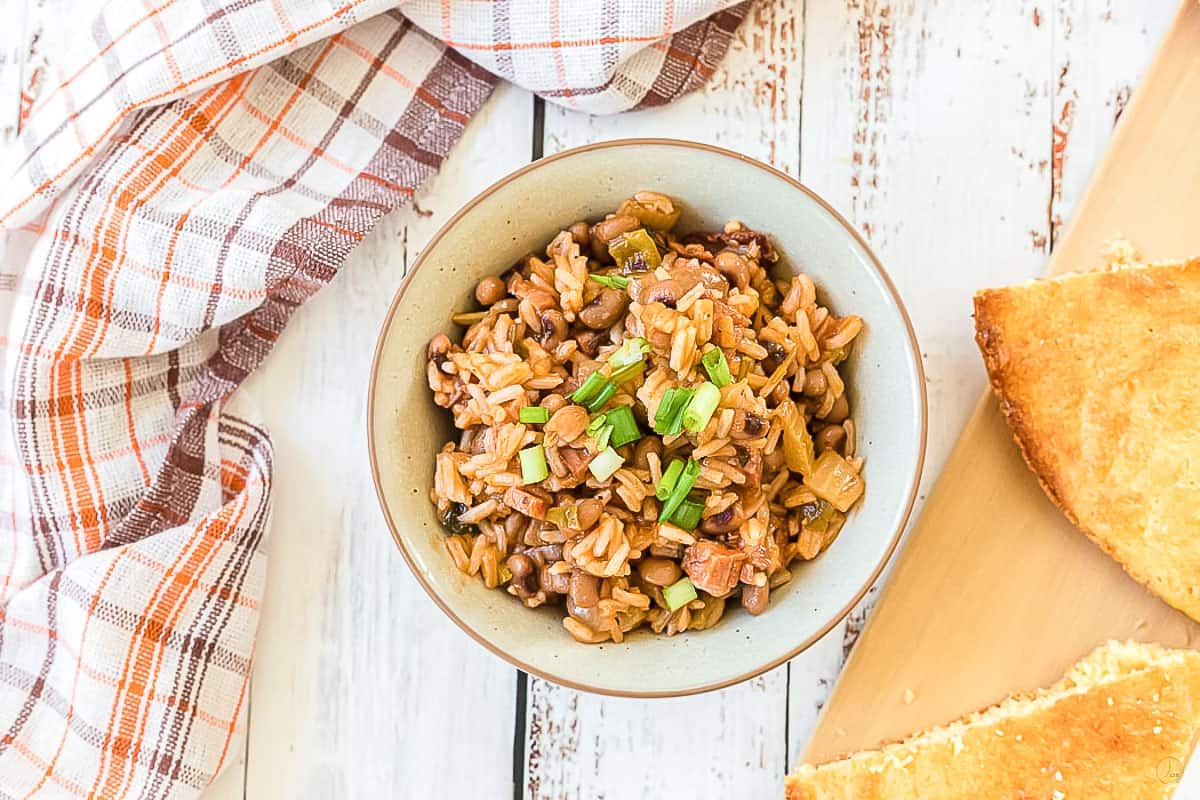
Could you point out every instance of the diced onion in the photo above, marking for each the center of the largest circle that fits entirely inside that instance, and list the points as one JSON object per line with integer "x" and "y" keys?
{"x": 607, "y": 462}
{"x": 834, "y": 480}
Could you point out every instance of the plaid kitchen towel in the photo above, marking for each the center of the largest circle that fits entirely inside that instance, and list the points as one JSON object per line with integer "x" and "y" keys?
{"x": 193, "y": 173}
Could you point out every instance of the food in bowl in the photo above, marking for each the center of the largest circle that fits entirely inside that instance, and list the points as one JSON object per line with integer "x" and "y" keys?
{"x": 651, "y": 425}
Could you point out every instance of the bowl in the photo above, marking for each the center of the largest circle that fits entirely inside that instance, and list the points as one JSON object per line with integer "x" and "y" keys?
{"x": 520, "y": 214}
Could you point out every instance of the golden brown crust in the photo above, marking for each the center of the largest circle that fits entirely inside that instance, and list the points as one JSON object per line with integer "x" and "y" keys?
{"x": 1120, "y": 725}
{"x": 1097, "y": 377}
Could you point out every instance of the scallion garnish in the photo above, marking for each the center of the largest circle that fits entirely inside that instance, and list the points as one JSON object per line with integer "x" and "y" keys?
{"x": 667, "y": 483}
{"x": 687, "y": 516}
{"x": 717, "y": 367}
{"x": 679, "y": 594}
{"x": 605, "y": 464}
{"x": 679, "y": 491}
{"x": 701, "y": 407}
{"x": 668, "y": 419}
{"x": 533, "y": 464}
{"x": 624, "y": 426}
{"x": 611, "y": 281}
{"x": 607, "y": 390}
{"x": 603, "y": 436}
{"x": 628, "y": 373}
{"x": 597, "y": 422}
{"x": 534, "y": 414}
{"x": 631, "y": 351}
{"x": 591, "y": 387}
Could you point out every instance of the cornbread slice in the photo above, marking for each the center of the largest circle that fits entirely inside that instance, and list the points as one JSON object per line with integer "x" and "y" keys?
{"x": 1098, "y": 375}
{"x": 1120, "y": 725}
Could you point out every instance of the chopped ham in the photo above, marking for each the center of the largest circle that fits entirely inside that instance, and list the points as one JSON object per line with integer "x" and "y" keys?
{"x": 527, "y": 501}
{"x": 713, "y": 567}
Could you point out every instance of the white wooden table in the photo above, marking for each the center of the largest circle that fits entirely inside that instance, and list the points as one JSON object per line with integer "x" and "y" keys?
{"x": 956, "y": 134}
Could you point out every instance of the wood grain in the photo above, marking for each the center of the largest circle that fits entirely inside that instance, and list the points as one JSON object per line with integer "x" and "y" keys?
{"x": 995, "y": 591}
{"x": 361, "y": 687}
{"x": 731, "y": 742}
{"x": 909, "y": 107}
{"x": 959, "y": 136}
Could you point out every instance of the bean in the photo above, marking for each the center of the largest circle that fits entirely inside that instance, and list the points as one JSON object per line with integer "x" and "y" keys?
{"x": 580, "y": 233}
{"x": 733, "y": 266}
{"x": 490, "y": 290}
{"x": 568, "y": 422}
{"x": 553, "y": 402}
{"x": 659, "y": 571}
{"x": 815, "y": 383}
{"x": 645, "y": 446}
{"x": 606, "y": 230}
{"x": 604, "y": 310}
{"x": 830, "y": 437}
{"x": 754, "y": 598}
{"x": 583, "y": 590}
{"x": 840, "y": 410}
{"x": 553, "y": 328}
{"x": 438, "y": 346}
{"x": 524, "y": 574}
{"x": 728, "y": 520}
{"x": 589, "y": 511}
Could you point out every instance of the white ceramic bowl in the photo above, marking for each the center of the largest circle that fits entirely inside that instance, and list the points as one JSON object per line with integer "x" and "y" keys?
{"x": 520, "y": 214}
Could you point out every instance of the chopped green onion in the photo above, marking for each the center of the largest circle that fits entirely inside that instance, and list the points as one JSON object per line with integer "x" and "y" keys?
{"x": 611, "y": 281}
{"x": 679, "y": 594}
{"x": 701, "y": 407}
{"x": 589, "y": 388}
{"x": 668, "y": 419}
{"x": 687, "y": 516}
{"x": 631, "y": 351}
{"x": 605, "y": 464}
{"x": 602, "y": 436}
{"x": 606, "y": 392}
{"x": 663, "y": 490}
{"x": 600, "y": 431}
{"x": 628, "y": 373}
{"x": 717, "y": 367}
{"x": 534, "y": 414}
{"x": 533, "y": 464}
{"x": 679, "y": 492}
{"x": 624, "y": 426}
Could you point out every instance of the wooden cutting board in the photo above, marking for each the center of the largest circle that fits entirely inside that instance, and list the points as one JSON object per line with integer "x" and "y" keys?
{"x": 995, "y": 591}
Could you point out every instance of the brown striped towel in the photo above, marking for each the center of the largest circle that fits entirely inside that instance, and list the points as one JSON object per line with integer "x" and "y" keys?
{"x": 192, "y": 174}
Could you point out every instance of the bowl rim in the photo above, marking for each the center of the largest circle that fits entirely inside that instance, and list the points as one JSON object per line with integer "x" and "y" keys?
{"x": 914, "y": 357}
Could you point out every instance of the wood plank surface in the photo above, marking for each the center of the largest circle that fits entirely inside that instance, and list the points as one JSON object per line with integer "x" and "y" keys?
{"x": 361, "y": 687}
{"x": 958, "y": 136}
{"x": 995, "y": 592}
{"x": 729, "y": 743}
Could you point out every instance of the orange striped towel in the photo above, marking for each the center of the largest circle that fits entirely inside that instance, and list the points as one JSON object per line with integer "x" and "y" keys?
{"x": 193, "y": 173}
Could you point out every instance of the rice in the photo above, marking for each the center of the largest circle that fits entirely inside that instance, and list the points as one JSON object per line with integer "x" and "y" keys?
{"x": 580, "y": 537}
